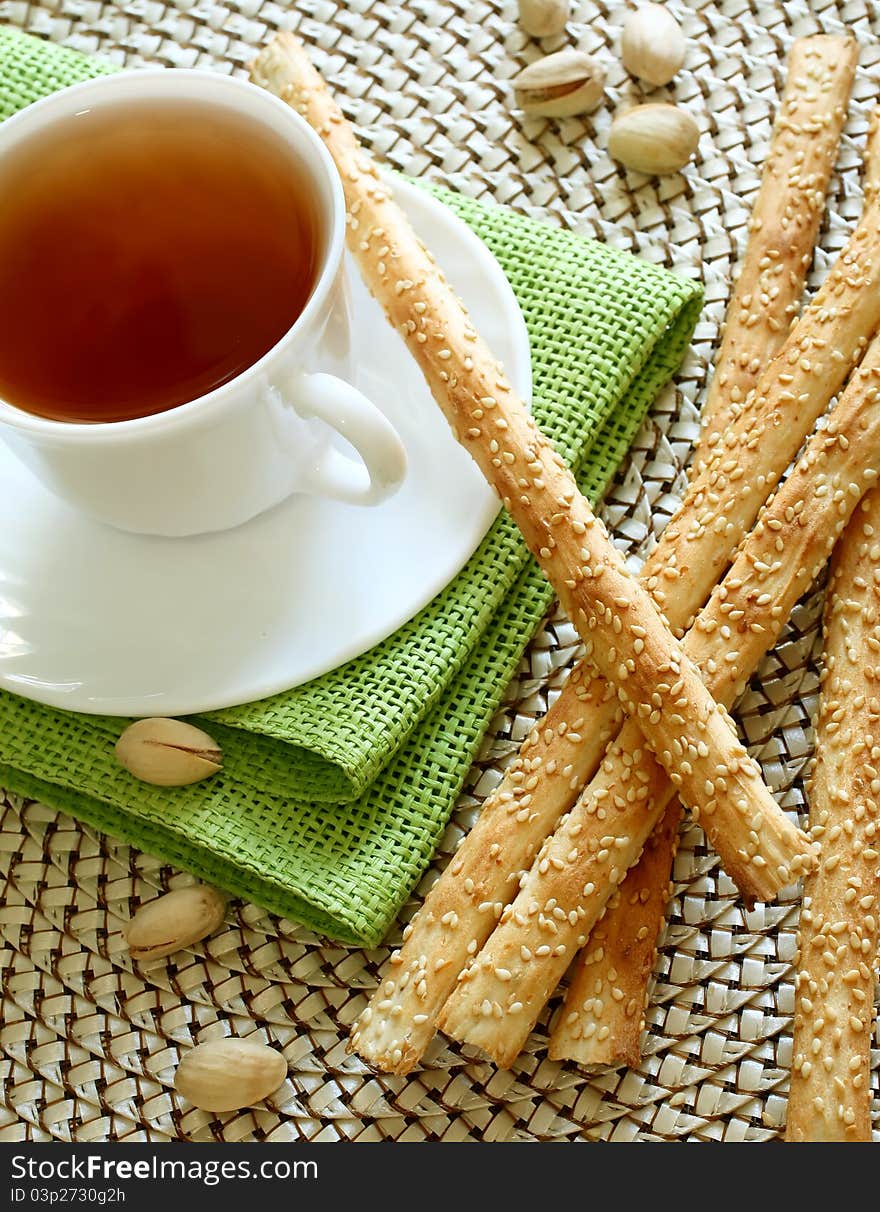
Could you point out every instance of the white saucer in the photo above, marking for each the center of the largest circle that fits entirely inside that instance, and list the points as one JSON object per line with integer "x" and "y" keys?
{"x": 95, "y": 620}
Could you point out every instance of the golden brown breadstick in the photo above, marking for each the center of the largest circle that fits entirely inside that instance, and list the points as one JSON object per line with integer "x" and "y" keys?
{"x": 600, "y": 1023}
{"x": 719, "y": 508}
{"x": 623, "y": 632}
{"x": 830, "y": 1095}
{"x": 871, "y": 158}
{"x": 501, "y": 994}
{"x": 784, "y": 224}
{"x": 598, "y": 1031}
{"x": 463, "y": 906}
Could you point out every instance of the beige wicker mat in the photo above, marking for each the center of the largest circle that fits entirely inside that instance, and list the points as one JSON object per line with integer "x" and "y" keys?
{"x": 87, "y": 1046}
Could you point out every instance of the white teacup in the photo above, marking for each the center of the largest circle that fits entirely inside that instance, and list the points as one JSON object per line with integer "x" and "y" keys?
{"x": 227, "y": 456}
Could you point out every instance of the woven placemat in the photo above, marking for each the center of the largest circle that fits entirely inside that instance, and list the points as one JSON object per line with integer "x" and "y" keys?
{"x": 88, "y": 1047}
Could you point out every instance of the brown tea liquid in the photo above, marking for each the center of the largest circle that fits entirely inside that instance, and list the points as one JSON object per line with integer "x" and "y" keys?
{"x": 149, "y": 252}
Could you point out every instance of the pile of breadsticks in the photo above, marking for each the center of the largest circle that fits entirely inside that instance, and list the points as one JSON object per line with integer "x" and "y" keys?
{"x": 568, "y": 864}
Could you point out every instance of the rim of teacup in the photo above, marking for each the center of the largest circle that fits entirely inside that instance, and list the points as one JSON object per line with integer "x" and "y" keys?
{"x": 204, "y": 85}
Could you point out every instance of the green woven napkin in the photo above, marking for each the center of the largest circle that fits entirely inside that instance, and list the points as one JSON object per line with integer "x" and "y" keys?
{"x": 333, "y": 796}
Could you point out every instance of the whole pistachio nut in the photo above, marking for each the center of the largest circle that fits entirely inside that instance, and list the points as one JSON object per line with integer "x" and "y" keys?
{"x": 177, "y": 919}
{"x": 654, "y": 139}
{"x": 652, "y": 45}
{"x": 168, "y": 753}
{"x": 228, "y": 1074}
{"x": 544, "y": 18}
{"x": 560, "y": 85}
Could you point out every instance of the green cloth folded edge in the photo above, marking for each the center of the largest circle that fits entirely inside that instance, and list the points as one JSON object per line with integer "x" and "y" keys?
{"x": 334, "y": 796}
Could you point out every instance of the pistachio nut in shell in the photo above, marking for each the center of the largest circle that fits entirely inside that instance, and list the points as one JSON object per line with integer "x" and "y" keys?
{"x": 168, "y": 753}
{"x": 544, "y": 18}
{"x": 176, "y": 919}
{"x": 654, "y": 139}
{"x": 652, "y": 45}
{"x": 561, "y": 85}
{"x": 228, "y": 1074}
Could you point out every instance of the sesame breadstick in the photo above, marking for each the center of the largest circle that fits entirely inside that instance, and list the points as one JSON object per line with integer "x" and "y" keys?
{"x": 784, "y": 224}
{"x": 597, "y": 1027}
{"x": 830, "y": 1094}
{"x": 565, "y": 748}
{"x": 622, "y": 629}
{"x": 501, "y": 994}
{"x": 871, "y": 158}
{"x": 600, "y": 1022}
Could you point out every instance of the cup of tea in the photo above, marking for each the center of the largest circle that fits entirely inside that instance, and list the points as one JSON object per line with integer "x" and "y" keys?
{"x": 174, "y": 327}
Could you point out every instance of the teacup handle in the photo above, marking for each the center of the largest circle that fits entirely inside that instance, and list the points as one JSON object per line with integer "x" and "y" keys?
{"x": 345, "y": 409}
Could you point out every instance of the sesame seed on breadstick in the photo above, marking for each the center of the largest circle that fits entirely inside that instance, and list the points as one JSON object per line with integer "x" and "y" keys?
{"x": 830, "y": 1092}
{"x": 784, "y": 223}
{"x": 623, "y": 632}
{"x": 501, "y": 994}
{"x": 565, "y": 747}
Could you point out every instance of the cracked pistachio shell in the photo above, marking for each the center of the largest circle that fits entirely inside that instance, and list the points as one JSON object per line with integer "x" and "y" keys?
{"x": 560, "y": 85}
{"x": 168, "y": 753}
{"x": 177, "y": 919}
